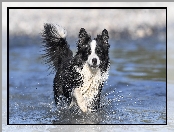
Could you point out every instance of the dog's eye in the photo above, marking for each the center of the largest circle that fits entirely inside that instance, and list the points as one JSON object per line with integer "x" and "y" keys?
{"x": 89, "y": 51}
{"x": 99, "y": 51}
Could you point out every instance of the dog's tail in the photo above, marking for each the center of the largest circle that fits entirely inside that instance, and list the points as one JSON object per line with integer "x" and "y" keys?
{"x": 57, "y": 50}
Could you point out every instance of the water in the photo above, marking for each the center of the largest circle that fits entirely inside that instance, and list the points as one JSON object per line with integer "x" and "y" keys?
{"x": 135, "y": 92}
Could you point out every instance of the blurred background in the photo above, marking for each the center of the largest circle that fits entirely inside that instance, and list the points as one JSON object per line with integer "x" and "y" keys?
{"x": 121, "y": 23}
{"x": 138, "y": 63}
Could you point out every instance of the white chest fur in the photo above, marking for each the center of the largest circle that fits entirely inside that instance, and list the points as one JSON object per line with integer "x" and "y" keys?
{"x": 86, "y": 93}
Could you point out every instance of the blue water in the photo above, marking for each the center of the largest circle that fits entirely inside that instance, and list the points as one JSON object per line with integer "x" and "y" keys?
{"x": 135, "y": 92}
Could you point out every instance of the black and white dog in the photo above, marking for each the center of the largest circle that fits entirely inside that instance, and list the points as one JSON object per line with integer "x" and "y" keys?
{"x": 79, "y": 78}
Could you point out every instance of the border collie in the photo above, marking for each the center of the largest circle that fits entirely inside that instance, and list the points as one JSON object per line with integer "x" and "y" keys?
{"x": 78, "y": 78}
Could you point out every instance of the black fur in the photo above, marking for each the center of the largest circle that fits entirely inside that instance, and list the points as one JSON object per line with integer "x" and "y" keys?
{"x": 57, "y": 51}
{"x": 102, "y": 50}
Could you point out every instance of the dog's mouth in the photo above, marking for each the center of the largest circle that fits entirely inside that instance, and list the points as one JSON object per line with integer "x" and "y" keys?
{"x": 94, "y": 66}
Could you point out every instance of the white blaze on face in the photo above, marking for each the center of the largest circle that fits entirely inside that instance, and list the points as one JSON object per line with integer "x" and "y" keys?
{"x": 93, "y": 55}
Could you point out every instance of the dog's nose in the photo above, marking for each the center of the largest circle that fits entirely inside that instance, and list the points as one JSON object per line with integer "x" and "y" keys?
{"x": 94, "y": 61}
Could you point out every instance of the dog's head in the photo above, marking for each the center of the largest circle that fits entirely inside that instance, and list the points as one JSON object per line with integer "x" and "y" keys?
{"x": 94, "y": 52}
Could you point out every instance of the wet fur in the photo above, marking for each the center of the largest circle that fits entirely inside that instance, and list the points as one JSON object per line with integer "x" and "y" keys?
{"x": 76, "y": 81}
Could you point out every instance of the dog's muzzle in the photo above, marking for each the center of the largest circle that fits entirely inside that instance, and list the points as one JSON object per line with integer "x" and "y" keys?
{"x": 94, "y": 63}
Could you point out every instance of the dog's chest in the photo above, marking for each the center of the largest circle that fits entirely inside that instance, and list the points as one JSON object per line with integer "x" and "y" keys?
{"x": 91, "y": 81}
{"x": 87, "y": 93}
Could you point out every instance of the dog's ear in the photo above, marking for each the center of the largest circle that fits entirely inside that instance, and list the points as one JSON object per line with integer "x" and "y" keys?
{"x": 105, "y": 38}
{"x": 84, "y": 38}
{"x": 82, "y": 33}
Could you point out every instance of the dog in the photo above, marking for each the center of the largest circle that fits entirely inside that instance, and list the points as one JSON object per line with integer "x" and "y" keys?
{"x": 78, "y": 78}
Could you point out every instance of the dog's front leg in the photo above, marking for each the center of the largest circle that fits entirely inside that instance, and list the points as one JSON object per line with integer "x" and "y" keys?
{"x": 80, "y": 100}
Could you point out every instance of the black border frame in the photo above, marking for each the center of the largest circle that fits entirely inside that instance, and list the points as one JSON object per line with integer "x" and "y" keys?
{"x": 8, "y": 8}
